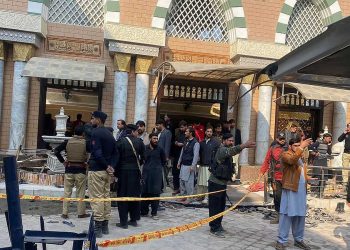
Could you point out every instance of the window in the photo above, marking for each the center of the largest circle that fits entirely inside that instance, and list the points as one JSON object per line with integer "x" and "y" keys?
{"x": 304, "y": 24}
{"x": 77, "y": 12}
{"x": 199, "y": 20}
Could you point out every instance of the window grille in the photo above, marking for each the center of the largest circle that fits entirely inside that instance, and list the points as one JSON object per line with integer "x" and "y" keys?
{"x": 304, "y": 24}
{"x": 199, "y": 20}
{"x": 77, "y": 12}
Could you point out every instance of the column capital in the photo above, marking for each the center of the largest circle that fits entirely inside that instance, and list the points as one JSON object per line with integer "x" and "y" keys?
{"x": 248, "y": 79}
{"x": 122, "y": 62}
{"x": 143, "y": 64}
{"x": 23, "y": 52}
{"x": 266, "y": 80}
{"x": 2, "y": 50}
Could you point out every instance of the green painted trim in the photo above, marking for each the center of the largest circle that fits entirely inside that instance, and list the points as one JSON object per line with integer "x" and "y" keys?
{"x": 45, "y": 2}
{"x": 336, "y": 17}
{"x": 286, "y": 9}
{"x": 113, "y": 6}
{"x": 234, "y": 3}
{"x": 237, "y": 22}
{"x": 281, "y": 28}
{"x": 329, "y": 2}
{"x": 160, "y": 12}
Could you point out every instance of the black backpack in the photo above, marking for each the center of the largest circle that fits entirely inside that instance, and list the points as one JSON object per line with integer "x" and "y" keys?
{"x": 220, "y": 170}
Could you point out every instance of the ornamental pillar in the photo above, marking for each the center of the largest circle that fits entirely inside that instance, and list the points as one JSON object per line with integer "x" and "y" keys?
{"x": 244, "y": 114}
{"x": 142, "y": 68}
{"x": 121, "y": 79}
{"x": 264, "y": 117}
{"x": 20, "y": 93}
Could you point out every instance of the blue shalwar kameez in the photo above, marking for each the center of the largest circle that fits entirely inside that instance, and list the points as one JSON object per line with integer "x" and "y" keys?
{"x": 293, "y": 211}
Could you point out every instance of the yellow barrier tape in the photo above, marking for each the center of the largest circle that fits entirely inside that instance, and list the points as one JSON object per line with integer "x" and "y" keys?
{"x": 46, "y": 198}
{"x": 143, "y": 237}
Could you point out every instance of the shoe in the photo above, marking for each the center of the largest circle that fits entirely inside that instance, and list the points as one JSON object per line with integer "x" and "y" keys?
{"x": 177, "y": 191}
{"x": 222, "y": 229}
{"x": 236, "y": 182}
{"x": 219, "y": 234}
{"x": 144, "y": 215}
{"x": 205, "y": 201}
{"x": 302, "y": 245}
{"x": 155, "y": 217}
{"x": 122, "y": 226}
{"x": 105, "y": 229}
{"x": 280, "y": 246}
{"x": 132, "y": 223}
{"x": 64, "y": 216}
{"x": 83, "y": 216}
{"x": 98, "y": 229}
{"x": 275, "y": 220}
{"x": 160, "y": 208}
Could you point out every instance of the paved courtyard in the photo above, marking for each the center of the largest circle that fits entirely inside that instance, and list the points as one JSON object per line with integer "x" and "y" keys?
{"x": 245, "y": 230}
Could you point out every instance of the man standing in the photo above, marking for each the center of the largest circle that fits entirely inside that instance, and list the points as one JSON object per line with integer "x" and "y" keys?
{"x": 293, "y": 202}
{"x": 291, "y": 133}
{"x": 129, "y": 160}
{"x": 321, "y": 151}
{"x": 188, "y": 163}
{"x": 208, "y": 148}
{"x": 238, "y": 140}
{"x": 101, "y": 168}
{"x": 346, "y": 154}
{"x": 152, "y": 175}
{"x": 179, "y": 143}
{"x": 142, "y": 133}
{"x": 121, "y": 126}
{"x": 78, "y": 121}
{"x": 272, "y": 163}
{"x": 75, "y": 169}
{"x": 164, "y": 141}
{"x": 223, "y": 161}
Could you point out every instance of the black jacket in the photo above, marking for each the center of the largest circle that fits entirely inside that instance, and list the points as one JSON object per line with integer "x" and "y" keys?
{"x": 345, "y": 137}
{"x": 126, "y": 159}
{"x": 207, "y": 150}
{"x": 103, "y": 149}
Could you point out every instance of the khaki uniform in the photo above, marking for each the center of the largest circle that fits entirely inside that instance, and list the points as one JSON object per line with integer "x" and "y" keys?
{"x": 79, "y": 181}
{"x": 346, "y": 164}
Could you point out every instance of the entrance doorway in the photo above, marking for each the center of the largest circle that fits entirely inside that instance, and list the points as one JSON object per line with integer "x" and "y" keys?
{"x": 193, "y": 101}
{"x": 76, "y": 97}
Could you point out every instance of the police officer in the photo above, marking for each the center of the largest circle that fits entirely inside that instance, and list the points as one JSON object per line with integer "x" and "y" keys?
{"x": 129, "y": 160}
{"x": 75, "y": 169}
{"x": 101, "y": 168}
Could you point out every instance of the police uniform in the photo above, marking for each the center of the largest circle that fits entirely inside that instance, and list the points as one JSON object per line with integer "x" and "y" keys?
{"x": 103, "y": 153}
{"x": 129, "y": 176}
{"x": 75, "y": 171}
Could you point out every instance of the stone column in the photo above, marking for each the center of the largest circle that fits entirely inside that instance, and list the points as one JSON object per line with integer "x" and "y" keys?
{"x": 244, "y": 113}
{"x": 121, "y": 78}
{"x": 20, "y": 93}
{"x": 339, "y": 124}
{"x": 142, "y": 67}
{"x": 2, "y": 58}
{"x": 264, "y": 116}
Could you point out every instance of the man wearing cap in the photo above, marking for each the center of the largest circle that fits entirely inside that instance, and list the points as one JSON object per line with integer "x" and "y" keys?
{"x": 272, "y": 163}
{"x": 142, "y": 133}
{"x": 321, "y": 151}
{"x": 101, "y": 168}
{"x": 128, "y": 171}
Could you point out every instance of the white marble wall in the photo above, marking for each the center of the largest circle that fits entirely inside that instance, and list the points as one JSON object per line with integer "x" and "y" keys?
{"x": 263, "y": 123}
{"x": 141, "y": 99}
{"x": 339, "y": 124}
{"x": 1, "y": 85}
{"x": 243, "y": 121}
{"x": 19, "y": 107}
{"x": 120, "y": 96}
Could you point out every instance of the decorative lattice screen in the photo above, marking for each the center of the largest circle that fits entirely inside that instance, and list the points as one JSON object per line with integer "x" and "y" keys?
{"x": 198, "y": 20}
{"x": 77, "y": 12}
{"x": 304, "y": 24}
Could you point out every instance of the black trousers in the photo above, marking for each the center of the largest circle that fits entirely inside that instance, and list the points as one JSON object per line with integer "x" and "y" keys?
{"x": 145, "y": 204}
{"x": 277, "y": 194}
{"x": 176, "y": 174}
{"x": 129, "y": 186}
{"x": 217, "y": 204}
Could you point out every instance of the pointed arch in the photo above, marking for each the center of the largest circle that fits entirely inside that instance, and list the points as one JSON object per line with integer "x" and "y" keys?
{"x": 234, "y": 15}
{"x": 329, "y": 9}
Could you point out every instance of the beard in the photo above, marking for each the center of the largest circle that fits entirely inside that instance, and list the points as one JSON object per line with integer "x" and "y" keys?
{"x": 154, "y": 145}
{"x": 94, "y": 125}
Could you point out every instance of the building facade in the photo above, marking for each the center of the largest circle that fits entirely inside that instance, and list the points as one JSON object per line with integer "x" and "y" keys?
{"x": 103, "y": 54}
